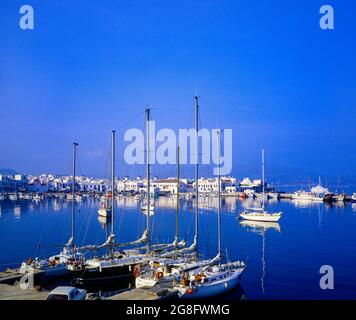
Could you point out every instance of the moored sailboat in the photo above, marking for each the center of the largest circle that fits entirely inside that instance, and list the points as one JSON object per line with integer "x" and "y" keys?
{"x": 216, "y": 278}
{"x": 260, "y": 214}
{"x": 57, "y": 265}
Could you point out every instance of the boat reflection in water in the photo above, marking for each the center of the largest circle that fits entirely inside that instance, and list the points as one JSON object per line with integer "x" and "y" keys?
{"x": 261, "y": 228}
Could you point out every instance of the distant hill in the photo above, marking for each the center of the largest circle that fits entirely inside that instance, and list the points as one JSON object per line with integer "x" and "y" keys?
{"x": 7, "y": 172}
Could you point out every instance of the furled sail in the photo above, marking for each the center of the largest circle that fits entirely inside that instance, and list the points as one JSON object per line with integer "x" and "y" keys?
{"x": 141, "y": 240}
{"x": 216, "y": 259}
{"x": 191, "y": 248}
{"x": 109, "y": 242}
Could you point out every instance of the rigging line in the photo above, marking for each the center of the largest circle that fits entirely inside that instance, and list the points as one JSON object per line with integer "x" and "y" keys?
{"x": 87, "y": 228}
{"x": 131, "y": 120}
{"x": 45, "y": 227}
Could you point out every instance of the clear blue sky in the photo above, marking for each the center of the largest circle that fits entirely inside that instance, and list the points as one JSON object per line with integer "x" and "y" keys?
{"x": 263, "y": 68}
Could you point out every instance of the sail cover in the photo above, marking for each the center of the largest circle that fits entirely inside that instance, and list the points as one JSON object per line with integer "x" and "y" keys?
{"x": 141, "y": 240}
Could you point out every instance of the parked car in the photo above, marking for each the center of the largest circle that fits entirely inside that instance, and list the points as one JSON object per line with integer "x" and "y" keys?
{"x": 67, "y": 293}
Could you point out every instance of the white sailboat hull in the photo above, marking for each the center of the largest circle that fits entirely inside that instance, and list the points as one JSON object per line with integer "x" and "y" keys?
{"x": 261, "y": 216}
{"x": 144, "y": 283}
{"x": 214, "y": 289}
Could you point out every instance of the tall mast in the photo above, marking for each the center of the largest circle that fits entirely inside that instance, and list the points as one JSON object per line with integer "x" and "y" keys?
{"x": 108, "y": 184}
{"x": 219, "y": 196}
{"x": 148, "y": 178}
{"x": 196, "y": 175}
{"x": 177, "y": 205}
{"x": 263, "y": 178}
{"x": 71, "y": 241}
{"x": 112, "y": 181}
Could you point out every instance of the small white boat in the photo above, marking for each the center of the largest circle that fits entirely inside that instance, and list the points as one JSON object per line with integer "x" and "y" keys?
{"x": 353, "y": 197}
{"x": 151, "y": 207}
{"x": 250, "y": 193}
{"x": 2, "y": 197}
{"x": 339, "y": 197}
{"x": 70, "y": 197}
{"x": 138, "y": 197}
{"x": 306, "y": 196}
{"x": 261, "y": 216}
{"x": 37, "y": 197}
{"x": 104, "y": 211}
{"x": 13, "y": 197}
{"x": 78, "y": 197}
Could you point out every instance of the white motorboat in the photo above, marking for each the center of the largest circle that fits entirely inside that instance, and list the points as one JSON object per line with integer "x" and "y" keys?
{"x": 306, "y": 196}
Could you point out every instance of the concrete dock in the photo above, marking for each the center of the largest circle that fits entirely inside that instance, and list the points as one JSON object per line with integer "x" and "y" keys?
{"x": 11, "y": 276}
{"x": 9, "y": 292}
{"x": 146, "y": 294}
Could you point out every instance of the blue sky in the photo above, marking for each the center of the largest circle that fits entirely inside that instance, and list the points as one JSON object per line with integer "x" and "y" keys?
{"x": 263, "y": 68}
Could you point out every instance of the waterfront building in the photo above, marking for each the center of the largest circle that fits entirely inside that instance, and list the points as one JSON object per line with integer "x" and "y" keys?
{"x": 169, "y": 185}
{"x": 14, "y": 183}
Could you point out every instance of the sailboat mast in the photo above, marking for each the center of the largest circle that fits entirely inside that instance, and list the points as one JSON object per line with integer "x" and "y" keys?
{"x": 73, "y": 190}
{"x": 112, "y": 181}
{"x": 148, "y": 178}
{"x": 177, "y": 205}
{"x": 219, "y": 194}
{"x": 263, "y": 177}
{"x": 196, "y": 175}
{"x": 108, "y": 184}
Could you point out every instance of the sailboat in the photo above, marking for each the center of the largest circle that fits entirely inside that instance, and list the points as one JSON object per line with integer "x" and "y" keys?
{"x": 181, "y": 260}
{"x": 167, "y": 264}
{"x": 260, "y": 214}
{"x": 217, "y": 278}
{"x": 116, "y": 265}
{"x": 105, "y": 209}
{"x": 56, "y": 266}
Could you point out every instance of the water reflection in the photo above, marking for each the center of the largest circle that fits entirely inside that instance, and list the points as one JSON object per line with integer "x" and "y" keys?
{"x": 261, "y": 228}
{"x": 17, "y": 212}
{"x": 327, "y": 229}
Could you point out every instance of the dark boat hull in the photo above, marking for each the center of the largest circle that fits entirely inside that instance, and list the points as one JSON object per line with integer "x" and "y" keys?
{"x": 97, "y": 276}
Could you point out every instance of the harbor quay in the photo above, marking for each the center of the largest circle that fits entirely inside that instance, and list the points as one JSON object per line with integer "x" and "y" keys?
{"x": 36, "y": 187}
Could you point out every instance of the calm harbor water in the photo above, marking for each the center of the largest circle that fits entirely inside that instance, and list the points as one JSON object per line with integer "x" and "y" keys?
{"x": 283, "y": 260}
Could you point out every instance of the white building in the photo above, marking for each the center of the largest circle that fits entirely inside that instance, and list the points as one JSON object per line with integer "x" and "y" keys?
{"x": 207, "y": 185}
{"x": 170, "y": 185}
